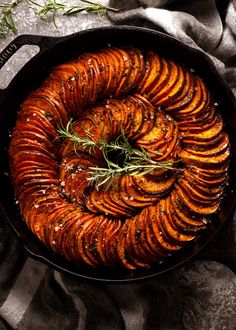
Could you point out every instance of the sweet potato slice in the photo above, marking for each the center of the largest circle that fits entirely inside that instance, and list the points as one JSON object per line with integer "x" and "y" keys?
{"x": 156, "y": 249}
{"x": 209, "y": 133}
{"x": 174, "y": 77}
{"x": 82, "y": 237}
{"x": 112, "y": 64}
{"x": 206, "y": 187}
{"x": 66, "y": 75}
{"x": 72, "y": 224}
{"x": 199, "y": 105}
{"x": 151, "y": 185}
{"x": 112, "y": 239}
{"x": 30, "y": 174}
{"x": 153, "y": 71}
{"x": 96, "y": 74}
{"x": 193, "y": 205}
{"x": 74, "y": 247}
{"x": 107, "y": 202}
{"x": 205, "y": 162}
{"x": 215, "y": 179}
{"x": 122, "y": 248}
{"x": 199, "y": 196}
{"x": 209, "y": 174}
{"x": 197, "y": 100}
{"x": 135, "y": 117}
{"x": 74, "y": 176}
{"x": 81, "y": 86}
{"x": 37, "y": 211}
{"x": 168, "y": 149}
{"x": 136, "y": 70}
{"x": 191, "y": 220}
{"x": 149, "y": 114}
{"x": 132, "y": 242}
{"x": 160, "y": 82}
{"x": 132, "y": 196}
{"x": 175, "y": 236}
{"x": 51, "y": 227}
{"x": 61, "y": 228}
{"x": 115, "y": 66}
{"x": 189, "y": 103}
{"x": 155, "y": 222}
{"x": 201, "y": 145}
{"x": 160, "y": 149}
{"x": 104, "y": 72}
{"x": 157, "y": 133}
{"x": 177, "y": 91}
{"x": 44, "y": 132}
{"x": 184, "y": 99}
{"x": 212, "y": 151}
{"x": 149, "y": 250}
{"x": 113, "y": 199}
{"x": 102, "y": 242}
{"x": 106, "y": 242}
{"x": 90, "y": 240}
{"x": 182, "y": 226}
{"x": 193, "y": 123}
{"x": 65, "y": 228}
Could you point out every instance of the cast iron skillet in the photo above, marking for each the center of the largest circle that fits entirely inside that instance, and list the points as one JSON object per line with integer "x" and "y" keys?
{"x": 56, "y": 50}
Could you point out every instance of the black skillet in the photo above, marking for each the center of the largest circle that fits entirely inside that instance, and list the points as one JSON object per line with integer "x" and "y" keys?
{"x": 55, "y": 50}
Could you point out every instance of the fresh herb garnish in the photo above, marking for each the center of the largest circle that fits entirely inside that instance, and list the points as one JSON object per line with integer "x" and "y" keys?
{"x": 136, "y": 161}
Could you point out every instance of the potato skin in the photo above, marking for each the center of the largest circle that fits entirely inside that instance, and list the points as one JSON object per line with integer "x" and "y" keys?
{"x": 163, "y": 108}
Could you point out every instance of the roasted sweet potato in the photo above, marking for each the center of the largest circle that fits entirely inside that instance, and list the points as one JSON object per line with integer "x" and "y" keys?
{"x": 164, "y": 110}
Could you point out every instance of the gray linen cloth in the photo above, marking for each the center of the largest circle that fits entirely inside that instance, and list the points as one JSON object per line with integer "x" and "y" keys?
{"x": 199, "y": 295}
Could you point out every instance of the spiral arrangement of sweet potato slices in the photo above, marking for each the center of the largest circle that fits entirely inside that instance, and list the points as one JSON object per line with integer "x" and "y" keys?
{"x": 163, "y": 108}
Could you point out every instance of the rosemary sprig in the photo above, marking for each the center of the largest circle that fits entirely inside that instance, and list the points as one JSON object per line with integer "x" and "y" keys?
{"x": 7, "y": 23}
{"x": 136, "y": 161}
{"x": 49, "y": 7}
{"x": 93, "y": 6}
{"x": 100, "y": 176}
{"x": 52, "y": 7}
{"x": 69, "y": 133}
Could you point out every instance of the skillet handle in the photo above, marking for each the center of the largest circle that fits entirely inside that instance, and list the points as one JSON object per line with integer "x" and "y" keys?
{"x": 25, "y": 39}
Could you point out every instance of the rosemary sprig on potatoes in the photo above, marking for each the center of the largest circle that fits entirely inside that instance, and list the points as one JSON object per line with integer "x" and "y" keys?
{"x": 135, "y": 161}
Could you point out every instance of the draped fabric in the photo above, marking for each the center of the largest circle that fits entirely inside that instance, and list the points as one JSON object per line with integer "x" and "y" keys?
{"x": 199, "y": 295}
